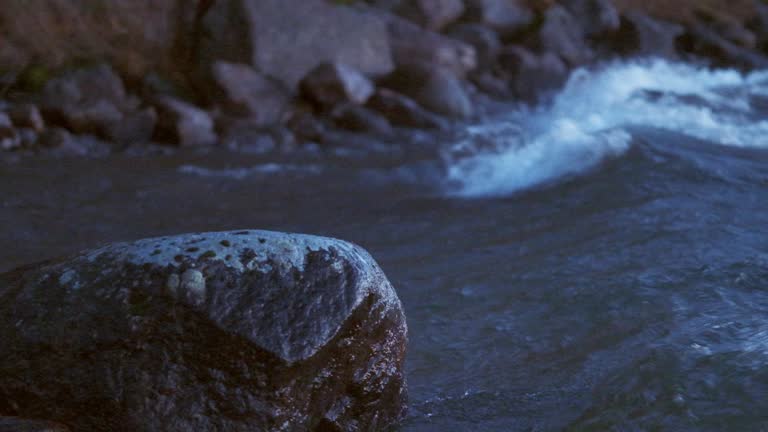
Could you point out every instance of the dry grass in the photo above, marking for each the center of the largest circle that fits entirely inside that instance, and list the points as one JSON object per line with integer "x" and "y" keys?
{"x": 133, "y": 34}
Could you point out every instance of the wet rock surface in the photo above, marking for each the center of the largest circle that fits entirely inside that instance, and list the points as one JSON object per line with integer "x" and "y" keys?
{"x": 15, "y": 424}
{"x": 247, "y": 330}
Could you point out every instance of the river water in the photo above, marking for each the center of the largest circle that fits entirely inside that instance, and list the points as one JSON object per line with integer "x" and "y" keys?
{"x": 597, "y": 263}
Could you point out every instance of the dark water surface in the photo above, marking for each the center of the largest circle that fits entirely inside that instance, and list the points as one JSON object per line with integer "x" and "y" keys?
{"x": 629, "y": 294}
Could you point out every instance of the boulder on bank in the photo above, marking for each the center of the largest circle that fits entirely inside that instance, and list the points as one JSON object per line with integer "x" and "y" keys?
{"x": 434, "y": 88}
{"x": 285, "y": 39}
{"x": 403, "y": 111}
{"x": 93, "y": 100}
{"x": 532, "y": 75}
{"x": 410, "y": 43}
{"x": 247, "y": 330}
{"x": 332, "y": 84}
{"x": 643, "y": 35}
{"x": 242, "y": 91}
{"x": 183, "y": 124}
{"x": 561, "y": 33}
{"x": 507, "y": 17}
{"x": 432, "y": 14}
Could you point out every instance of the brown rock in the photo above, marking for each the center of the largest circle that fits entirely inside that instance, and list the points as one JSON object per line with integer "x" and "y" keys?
{"x": 234, "y": 331}
{"x": 27, "y": 116}
{"x": 331, "y": 84}
{"x": 183, "y": 124}
{"x": 285, "y": 39}
{"x": 244, "y": 92}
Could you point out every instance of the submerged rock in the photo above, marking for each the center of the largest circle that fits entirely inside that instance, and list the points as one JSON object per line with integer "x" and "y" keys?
{"x": 233, "y": 331}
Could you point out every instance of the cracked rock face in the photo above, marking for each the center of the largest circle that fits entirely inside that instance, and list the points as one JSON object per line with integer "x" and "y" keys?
{"x": 246, "y": 330}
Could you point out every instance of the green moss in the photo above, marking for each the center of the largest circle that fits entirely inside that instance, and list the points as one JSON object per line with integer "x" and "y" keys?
{"x": 208, "y": 254}
{"x": 33, "y": 78}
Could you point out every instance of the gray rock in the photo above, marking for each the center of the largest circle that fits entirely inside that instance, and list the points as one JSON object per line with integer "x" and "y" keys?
{"x": 646, "y": 36}
{"x": 27, "y": 116}
{"x": 409, "y": 42}
{"x": 9, "y": 138}
{"x": 15, "y": 424}
{"x": 356, "y": 118}
{"x": 85, "y": 86}
{"x": 244, "y": 92}
{"x": 285, "y": 39}
{"x": 483, "y": 39}
{"x": 403, "y": 111}
{"x": 562, "y": 34}
{"x": 434, "y": 88}
{"x": 432, "y": 14}
{"x": 332, "y": 84}
{"x": 182, "y": 124}
{"x": 61, "y": 142}
{"x": 532, "y": 75}
{"x": 597, "y": 17}
{"x": 235, "y": 331}
{"x": 507, "y": 17}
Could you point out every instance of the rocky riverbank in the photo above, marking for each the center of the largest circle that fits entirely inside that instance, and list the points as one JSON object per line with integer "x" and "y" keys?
{"x": 90, "y": 79}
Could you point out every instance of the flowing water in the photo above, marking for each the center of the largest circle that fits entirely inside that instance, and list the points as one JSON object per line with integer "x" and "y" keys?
{"x": 597, "y": 263}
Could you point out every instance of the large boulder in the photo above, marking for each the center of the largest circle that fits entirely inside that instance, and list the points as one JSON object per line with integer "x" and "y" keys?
{"x": 432, "y": 14}
{"x": 643, "y": 35}
{"x": 507, "y": 17}
{"x": 235, "y": 331}
{"x": 242, "y": 91}
{"x": 410, "y": 42}
{"x": 332, "y": 84}
{"x": 285, "y": 39}
{"x": 532, "y": 75}
{"x": 403, "y": 111}
{"x": 435, "y": 88}
{"x": 597, "y": 17}
{"x": 562, "y": 34}
{"x": 482, "y": 38}
{"x": 183, "y": 124}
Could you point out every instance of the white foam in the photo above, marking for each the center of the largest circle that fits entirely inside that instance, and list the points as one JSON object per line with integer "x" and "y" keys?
{"x": 243, "y": 173}
{"x": 585, "y": 122}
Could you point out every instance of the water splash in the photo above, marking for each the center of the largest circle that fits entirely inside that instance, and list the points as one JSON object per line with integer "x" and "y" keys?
{"x": 586, "y": 123}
